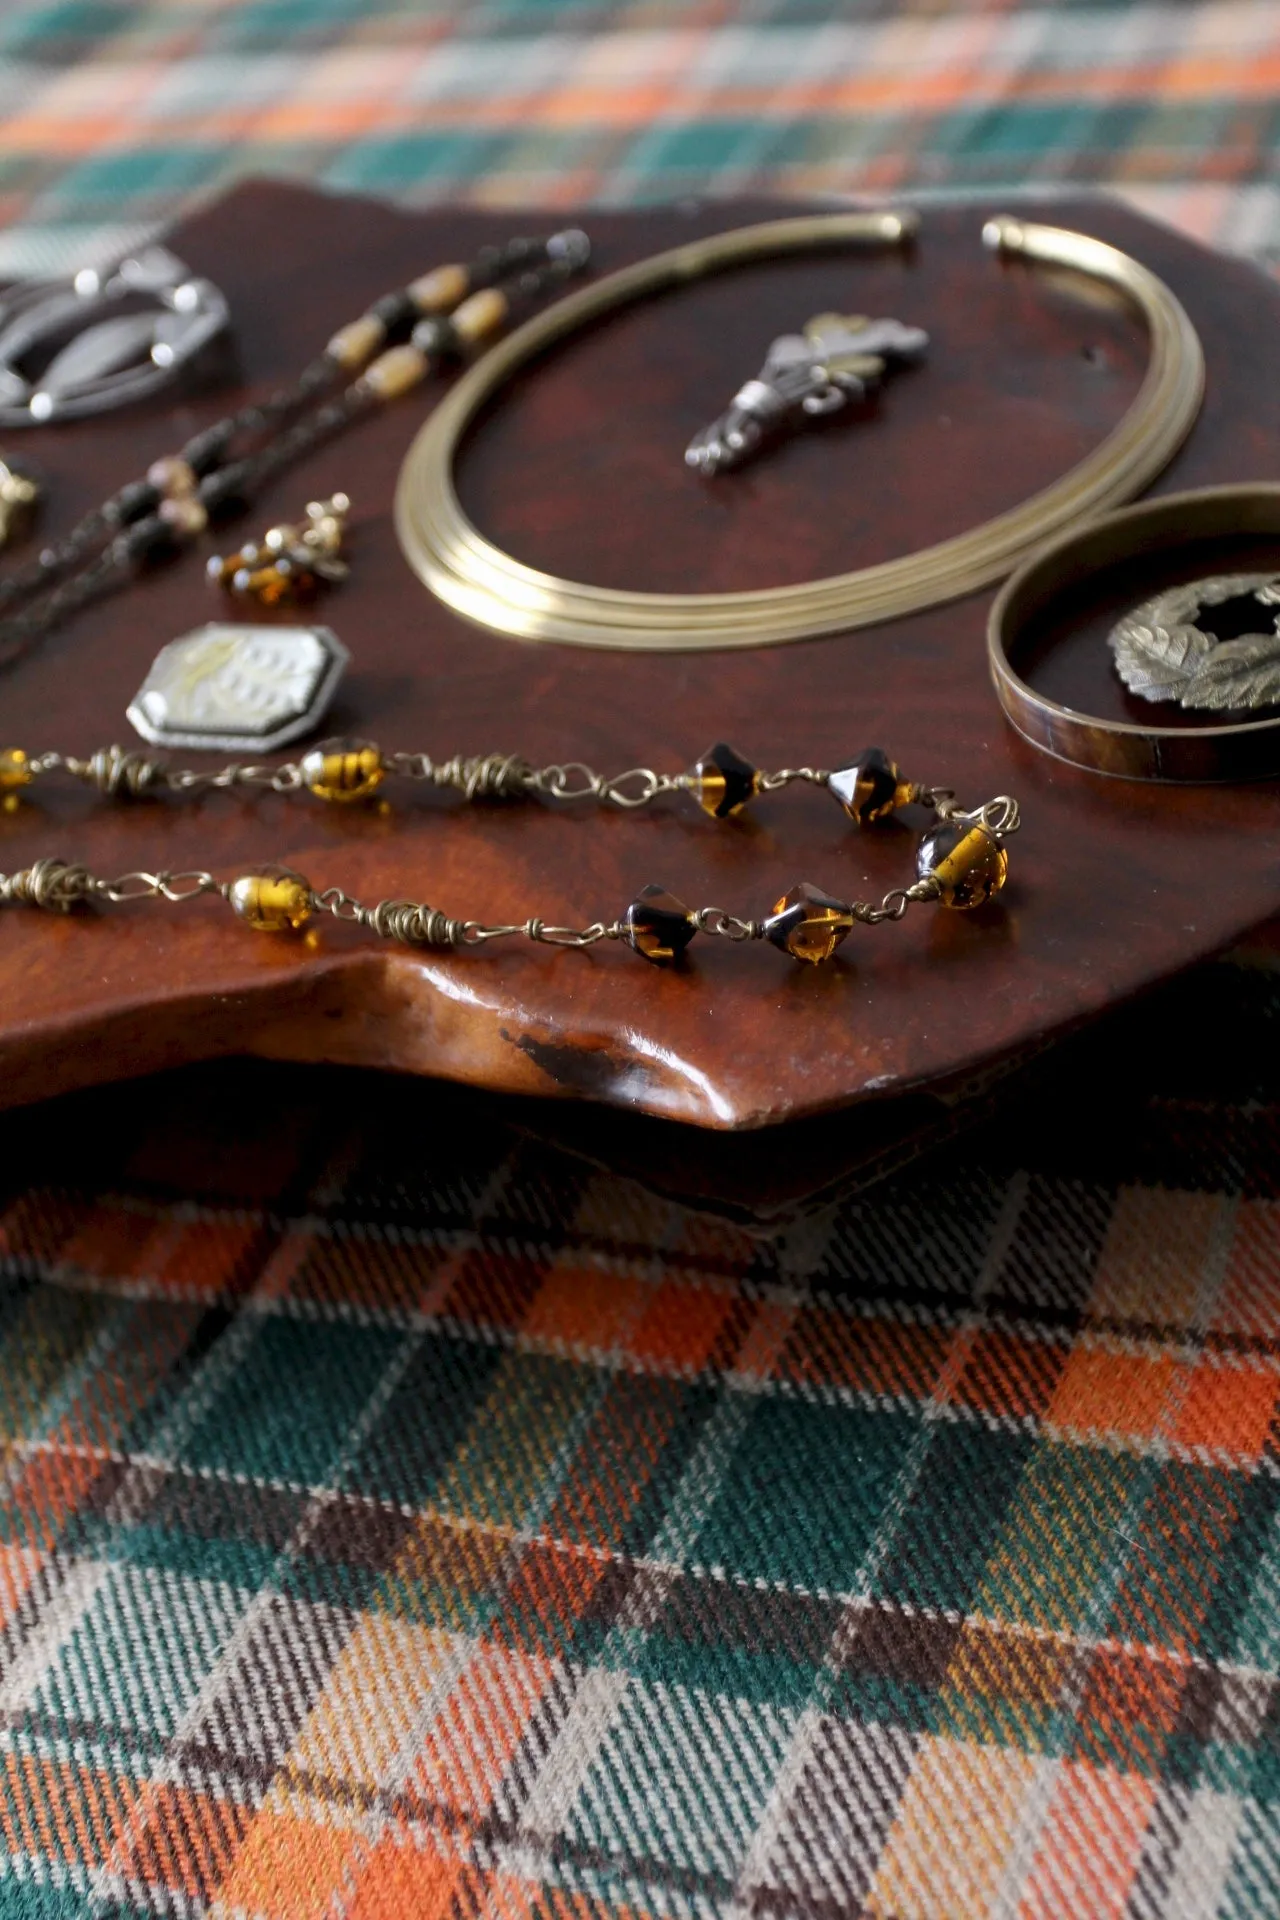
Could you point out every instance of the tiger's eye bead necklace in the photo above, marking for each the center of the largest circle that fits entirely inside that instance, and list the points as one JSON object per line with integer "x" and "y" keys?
{"x": 869, "y": 787}
{"x": 961, "y": 870}
{"x": 437, "y": 319}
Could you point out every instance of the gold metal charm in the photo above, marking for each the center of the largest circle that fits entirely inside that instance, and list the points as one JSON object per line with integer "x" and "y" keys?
{"x": 18, "y": 495}
{"x": 290, "y": 561}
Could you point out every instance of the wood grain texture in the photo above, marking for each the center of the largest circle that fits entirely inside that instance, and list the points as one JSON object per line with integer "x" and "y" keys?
{"x": 579, "y": 469}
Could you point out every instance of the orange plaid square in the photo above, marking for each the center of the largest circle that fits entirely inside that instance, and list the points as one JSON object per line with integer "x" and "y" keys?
{"x": 681, "y": 1325}
{"x": 1228, "y": 1409}
{"x": 581, "y": 1306}
{"x": 1129, "y": 1708}
{"x": 400, "y": 1879}
{"x": 1112, "y": 1392}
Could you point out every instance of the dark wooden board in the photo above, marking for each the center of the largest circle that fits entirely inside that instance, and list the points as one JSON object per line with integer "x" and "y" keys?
{"x": 579, "y": 468}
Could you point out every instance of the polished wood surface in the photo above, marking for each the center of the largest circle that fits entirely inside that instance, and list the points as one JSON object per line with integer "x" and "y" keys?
{"x": 578, "y": 468}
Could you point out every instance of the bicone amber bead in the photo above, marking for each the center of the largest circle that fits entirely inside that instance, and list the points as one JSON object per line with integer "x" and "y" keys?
{"x": 657, "y": 925}
{"x": 15, "y": 769}
{"x": 808, "y": 924}
{"x": 968, "y": 863}
{"x": 343, "y": 770}
{"x": 723, "y": 782}
{"x": 272, "y": 899}
{"x": 870, "y": 787}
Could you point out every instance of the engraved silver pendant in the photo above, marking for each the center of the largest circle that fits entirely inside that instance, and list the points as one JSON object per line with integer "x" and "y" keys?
{"x": 99, "y": 340}
{"x": 839, "y": 358}
{"x": 1210, "y": 645}
{"x": 239, "y": 689}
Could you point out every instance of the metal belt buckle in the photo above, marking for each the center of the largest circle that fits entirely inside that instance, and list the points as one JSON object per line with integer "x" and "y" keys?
{"x": 98, "y": 340}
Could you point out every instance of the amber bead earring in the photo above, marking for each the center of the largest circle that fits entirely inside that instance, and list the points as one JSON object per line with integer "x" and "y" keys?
{"x": 290, "y": 561}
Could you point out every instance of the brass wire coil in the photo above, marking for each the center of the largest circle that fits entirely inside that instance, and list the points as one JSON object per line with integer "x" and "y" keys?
{"x": 475, "y": 578}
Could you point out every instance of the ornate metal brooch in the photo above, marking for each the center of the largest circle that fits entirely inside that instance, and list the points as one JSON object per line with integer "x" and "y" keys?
{"x": 239, "y": 689}
{"x": 99, "y": 340}
{"x": 1212, "y": 644}
{"x": 838, "y": 359}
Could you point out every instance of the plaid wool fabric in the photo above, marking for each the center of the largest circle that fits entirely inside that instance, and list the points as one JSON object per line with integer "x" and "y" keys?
{"x": 115, "y": 113}
{"x": 409, "y": 1520}
{"x": 402, "y": 1517}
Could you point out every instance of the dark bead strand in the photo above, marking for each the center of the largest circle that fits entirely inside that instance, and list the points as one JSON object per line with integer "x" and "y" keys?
{"x": 551, "y": 272}
{"x": 22, "y": 630}
{"x": 492, "y": 264}
{"x": 397, "y": 313}
{"x": 134, "y": 531}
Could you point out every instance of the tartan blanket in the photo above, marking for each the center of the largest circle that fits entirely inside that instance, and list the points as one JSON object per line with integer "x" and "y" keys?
{"x": 405, "y": 1518}
{"x": 402, "y": 1517}
{"x": 116, "y": 114}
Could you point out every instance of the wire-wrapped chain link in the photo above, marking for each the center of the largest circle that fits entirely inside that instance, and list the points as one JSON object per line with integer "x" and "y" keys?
{"x": 536, "y": 929}
{"x": 54, "y": 885}
{"x": 414, "y": 925}
{"x": 412, "y": 922}
{"x": 895, "y": 904}
{"x": 484, "y": 776}
{"x": 715, "y": 920}
{"x": 118, "y": 772}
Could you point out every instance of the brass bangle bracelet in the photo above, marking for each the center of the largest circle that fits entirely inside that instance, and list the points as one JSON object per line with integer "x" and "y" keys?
{"x": 1247, "y": 750}
{"x": 488, "y": 586}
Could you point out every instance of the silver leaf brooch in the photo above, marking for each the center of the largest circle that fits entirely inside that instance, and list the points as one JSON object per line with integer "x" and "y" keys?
{"x": 1212, "y": 645}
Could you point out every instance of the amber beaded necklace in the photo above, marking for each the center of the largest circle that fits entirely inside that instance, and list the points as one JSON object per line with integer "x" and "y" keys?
{"x": 961, "y": 860}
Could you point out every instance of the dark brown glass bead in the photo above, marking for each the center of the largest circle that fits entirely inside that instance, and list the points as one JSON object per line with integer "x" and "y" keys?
{"x": 968, "y": 863}
{"x": 723, "y": 781}
{"x": 870, "y": 787}
{"x": 808, "y": 924}
{"x": 658, "y": 925}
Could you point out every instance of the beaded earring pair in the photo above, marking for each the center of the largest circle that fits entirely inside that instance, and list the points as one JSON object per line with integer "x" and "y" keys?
{"x": 290, "y": 561}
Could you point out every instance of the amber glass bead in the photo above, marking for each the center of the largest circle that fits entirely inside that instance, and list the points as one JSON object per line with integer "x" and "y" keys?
{"x": 723, "y": 781}
{"x": 343, "y": 770}
{"x": 658, "y": 925}
{"x": 808, "y": 924}
{"x": 870, "y": 787}
{"x": 15, "y": 769}
{"x": 968, "y": 863}
{"x": 272, "y": 899}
